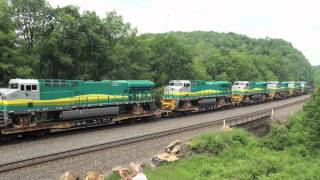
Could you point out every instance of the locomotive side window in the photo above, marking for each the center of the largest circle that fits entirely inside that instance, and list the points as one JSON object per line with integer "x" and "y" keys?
{"x": 34, "y": 87}
{"x": 28, "y": 87}
{"x": 22, "y": 87}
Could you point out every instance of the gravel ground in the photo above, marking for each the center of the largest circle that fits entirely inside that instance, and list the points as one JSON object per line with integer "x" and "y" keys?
{"x": 104, "y": 160}
{"x": 283, "y": 114}
{"x": 101, "y": 161}
{"x": 29, "y": 149}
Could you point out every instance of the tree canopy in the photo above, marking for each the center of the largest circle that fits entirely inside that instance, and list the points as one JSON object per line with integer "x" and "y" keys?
{"x": 316, "y": 74}
{"x": 39, "y": 41}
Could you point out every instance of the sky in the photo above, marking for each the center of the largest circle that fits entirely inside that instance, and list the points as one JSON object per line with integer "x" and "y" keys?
{"x": 296, "y": 21}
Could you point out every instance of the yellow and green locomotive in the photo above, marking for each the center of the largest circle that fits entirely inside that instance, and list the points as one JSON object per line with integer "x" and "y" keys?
{"x": 196, "y": 95}
{"x": 30, "y": 104}
{"x": 244, "y": 92}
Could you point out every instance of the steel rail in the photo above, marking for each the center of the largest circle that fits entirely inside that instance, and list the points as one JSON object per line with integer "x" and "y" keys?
{"x": 230, "y": 121}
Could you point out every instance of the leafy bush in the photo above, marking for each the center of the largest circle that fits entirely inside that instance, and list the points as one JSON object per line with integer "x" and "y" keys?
{"x": 215, "y": 143}
{"x": 311, "y": 120}
{"x": 278, "y": 138}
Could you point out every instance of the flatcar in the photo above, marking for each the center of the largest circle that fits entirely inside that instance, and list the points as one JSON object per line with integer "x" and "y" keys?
{"x": 30, "y": 105}
{"x": 195, "y": 95}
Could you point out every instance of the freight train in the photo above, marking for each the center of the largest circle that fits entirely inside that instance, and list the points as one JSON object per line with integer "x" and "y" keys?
{"x": 35, "y": 107}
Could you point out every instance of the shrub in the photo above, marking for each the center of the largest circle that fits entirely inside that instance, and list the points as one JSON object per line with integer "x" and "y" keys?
{"x": 278, "y": 138}
{"x": 215, "y": 143}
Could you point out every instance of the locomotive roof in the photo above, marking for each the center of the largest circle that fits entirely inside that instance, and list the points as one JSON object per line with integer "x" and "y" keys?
{"x": 24, "y": 81}
{"x": 261, "y": 82}
{"x": 287, "y": 82}
{"x": 218, "y": 82}
{"x": 137, "y": 83}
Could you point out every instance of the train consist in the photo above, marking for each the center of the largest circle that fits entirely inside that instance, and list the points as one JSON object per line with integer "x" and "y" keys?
{"x": 34, "y": 107}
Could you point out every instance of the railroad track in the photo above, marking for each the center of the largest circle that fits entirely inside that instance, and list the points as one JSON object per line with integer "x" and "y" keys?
{"x": 231, "y": 121}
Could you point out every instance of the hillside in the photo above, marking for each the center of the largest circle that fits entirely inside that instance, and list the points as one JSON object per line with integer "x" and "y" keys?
{"x": 230, "y": 56}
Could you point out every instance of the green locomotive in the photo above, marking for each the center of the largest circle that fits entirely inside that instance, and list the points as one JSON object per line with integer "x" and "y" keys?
{"x": 301, "y": 87}
{"x": 287, "y": 89}
{"x": 196, "y": 95}
{"x": 30, "y": 104}
{"x": 249, "y": 91}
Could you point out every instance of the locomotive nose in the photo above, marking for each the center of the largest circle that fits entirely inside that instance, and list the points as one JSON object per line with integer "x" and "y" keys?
{"x": 172, "y": 89}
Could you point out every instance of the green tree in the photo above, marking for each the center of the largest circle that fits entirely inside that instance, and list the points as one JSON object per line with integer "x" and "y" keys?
{"x": 169, "y": 60}
{"x": 312, "y": 116}
{"x": 34, "y": 21}
{"x": 11, "y": 61}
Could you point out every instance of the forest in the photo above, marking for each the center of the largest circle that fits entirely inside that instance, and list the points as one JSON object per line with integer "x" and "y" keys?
{"x": 40, "y": 41}
{"x": 316, "y": 74}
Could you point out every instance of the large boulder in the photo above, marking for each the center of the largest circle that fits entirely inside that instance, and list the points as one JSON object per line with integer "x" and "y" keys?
{"x": 174, "y": 146}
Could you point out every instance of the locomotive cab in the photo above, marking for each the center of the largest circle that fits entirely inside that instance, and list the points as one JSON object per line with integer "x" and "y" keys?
{"x": 273, "y": 84}
{"x": 176, "y": 86}
{"x": 238, "y": 88}
{"x": 21, "y": 89}
{"x": 272, "y": 88}
{"x": 240, "y": 85}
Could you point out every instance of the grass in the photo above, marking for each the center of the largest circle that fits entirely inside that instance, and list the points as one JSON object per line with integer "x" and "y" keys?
{"x": 238, "y": 155}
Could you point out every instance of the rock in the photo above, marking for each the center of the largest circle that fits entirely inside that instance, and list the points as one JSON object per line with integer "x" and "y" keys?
{"x": 176, "y": 149}
{"x": 163, "y": 158}
{"x": 184, "y": 150}
{"x": 93, "y": 175}
{"x": 171, "y": 146}
{"x": 69, "y": 175}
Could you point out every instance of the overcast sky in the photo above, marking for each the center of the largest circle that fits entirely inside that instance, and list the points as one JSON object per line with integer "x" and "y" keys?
{"x": 296, "y": 21}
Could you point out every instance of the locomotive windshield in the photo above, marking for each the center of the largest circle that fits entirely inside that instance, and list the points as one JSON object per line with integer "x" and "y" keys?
{"x": 176, "y": 84}
{"x": 240, "y": 83}
{"x": 14, "y": 86}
